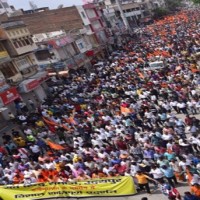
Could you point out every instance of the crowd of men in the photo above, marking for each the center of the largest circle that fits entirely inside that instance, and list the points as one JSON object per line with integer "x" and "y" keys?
{"x": 122, "y": 120}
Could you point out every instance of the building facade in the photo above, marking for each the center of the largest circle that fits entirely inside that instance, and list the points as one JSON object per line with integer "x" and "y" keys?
{"x": 18, "y": 66}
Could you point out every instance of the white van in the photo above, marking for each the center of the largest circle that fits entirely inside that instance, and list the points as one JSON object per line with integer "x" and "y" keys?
{"x": 155, "y": 65}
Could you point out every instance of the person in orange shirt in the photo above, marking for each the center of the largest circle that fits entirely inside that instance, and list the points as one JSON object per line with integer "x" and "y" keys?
{"x": 98, "y": 174}
{"x": 143, "y": 181}
{"x": 18, "y": 178}
{"x": 52, "y": 172}
{"x": 41, "y": 179}
{"x": 44, "y": 173}
{"x": 82, "y": 176}
{"x": 195, "y": 189}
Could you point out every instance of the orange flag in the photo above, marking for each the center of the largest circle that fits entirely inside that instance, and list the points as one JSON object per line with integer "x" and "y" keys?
{"x": 65, "y": 127}
{"x": 55, "y": 146}
{"x": 141, "y": 75}
{"x": 194, "y": 70}
{"x": 125, "y": 110}
{"x": 49, "y": 122}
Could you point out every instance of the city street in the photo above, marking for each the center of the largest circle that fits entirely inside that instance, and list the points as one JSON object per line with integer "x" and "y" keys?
{"x": 155, "y": 196}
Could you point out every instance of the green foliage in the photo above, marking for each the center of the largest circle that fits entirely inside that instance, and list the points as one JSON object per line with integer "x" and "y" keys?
{"x": 196, "y": 1}
{"x": 160, "y": 12}
{"x": 173, "y": 4}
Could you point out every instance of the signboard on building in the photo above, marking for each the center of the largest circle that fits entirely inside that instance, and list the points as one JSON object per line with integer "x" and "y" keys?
{"x": 32, "y": 85}
{"x": 60, "y": 42}
{"x": 9, "y": 96}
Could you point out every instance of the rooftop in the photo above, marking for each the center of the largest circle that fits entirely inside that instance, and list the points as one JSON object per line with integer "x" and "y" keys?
{"x": 12, "y": 24}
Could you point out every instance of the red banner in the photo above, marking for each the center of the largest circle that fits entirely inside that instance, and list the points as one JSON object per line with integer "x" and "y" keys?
{"x": 9, "y": 96}
{"x": 32, "y": 85}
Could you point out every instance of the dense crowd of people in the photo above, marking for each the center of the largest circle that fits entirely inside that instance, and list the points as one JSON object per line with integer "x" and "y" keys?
{"x": 122, "y": 120}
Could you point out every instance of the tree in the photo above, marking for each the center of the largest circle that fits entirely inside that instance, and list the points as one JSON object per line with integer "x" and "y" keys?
{"x": 160, "y": 12}
{"x": 172, "y": 5}
{"x": 196, "y": 1}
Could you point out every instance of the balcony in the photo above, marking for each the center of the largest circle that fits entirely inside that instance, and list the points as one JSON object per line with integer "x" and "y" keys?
{"x": 26, "y": 49}
{"x": 94, "y": 18}
{"x": 133, "y": 13}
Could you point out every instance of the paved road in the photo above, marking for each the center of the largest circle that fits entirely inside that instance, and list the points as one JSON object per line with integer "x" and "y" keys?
{"x": 155, "y": 196}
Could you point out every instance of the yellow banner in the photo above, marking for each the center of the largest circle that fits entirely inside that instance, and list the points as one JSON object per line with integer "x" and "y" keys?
{"x": 106, "y": 187}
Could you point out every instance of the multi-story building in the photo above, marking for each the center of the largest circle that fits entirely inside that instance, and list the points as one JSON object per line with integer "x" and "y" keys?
{"x": 19, "y": 66}
{"x": 85, "y": 21}
{"x": 133, "y": 10}
{"x": 8, "y": 93}
{"x": 95, "y": 30}
{"x": 19, "y": 43}
{"x": 62, "y": 52}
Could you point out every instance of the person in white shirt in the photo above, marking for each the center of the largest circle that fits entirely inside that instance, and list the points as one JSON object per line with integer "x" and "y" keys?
{"x": 182, "y": 107}
{"x": 173, "y": 104}
{"x": 157, "y": 173}
{"x": 35, "y": 149}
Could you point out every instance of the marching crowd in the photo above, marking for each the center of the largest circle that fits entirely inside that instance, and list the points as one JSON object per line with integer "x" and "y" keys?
{"x": 122, "y": 120}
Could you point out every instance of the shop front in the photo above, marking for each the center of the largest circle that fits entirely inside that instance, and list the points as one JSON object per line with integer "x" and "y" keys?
{"x": 7, "y": 104}
{"x": 34, "y": 88}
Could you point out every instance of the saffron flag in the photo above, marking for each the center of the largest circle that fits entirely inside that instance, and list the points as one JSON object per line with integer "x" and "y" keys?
{"x": 55, "y": 146}
{"x": 48, "y": 122}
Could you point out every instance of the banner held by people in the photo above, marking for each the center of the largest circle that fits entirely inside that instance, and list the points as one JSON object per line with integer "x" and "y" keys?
{"x": 117, "y": 186}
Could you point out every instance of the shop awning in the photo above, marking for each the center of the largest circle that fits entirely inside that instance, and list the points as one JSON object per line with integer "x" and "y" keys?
{"x": 33, "y": 82}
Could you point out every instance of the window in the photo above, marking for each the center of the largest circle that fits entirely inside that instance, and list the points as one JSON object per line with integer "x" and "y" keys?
{"x": 21, "y": 31}
{"x": 8, "y": 70}
{"x": 23, "y": 42}
{"x": 30, "y": 40}
{"x": 26, "y": 71}
{"x": 1, "y": 48}
{"x": 22, "y": 63}
{"x": 80, "y": 46}
{"x": 1, "y": 5}
{"x": 13, "y": 32}
{"x": 17, "y": 32}
{"x": 27, "y": 41}
{"x": 10, "y": 34}
{"x": 20, "y": 43}
{"x": 16, "y": 44}
{"x": 83, "y": 14}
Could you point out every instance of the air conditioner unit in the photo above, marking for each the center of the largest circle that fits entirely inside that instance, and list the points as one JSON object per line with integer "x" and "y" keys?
{"x": 15, "y": 79}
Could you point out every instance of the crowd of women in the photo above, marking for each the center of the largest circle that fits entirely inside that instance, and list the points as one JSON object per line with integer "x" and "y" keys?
{"x": 122, "y": 120}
